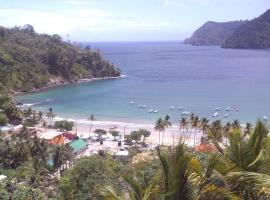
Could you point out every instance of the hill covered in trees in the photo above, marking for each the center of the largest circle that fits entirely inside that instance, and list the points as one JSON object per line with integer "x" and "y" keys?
{"x": 30, "y": 61}
{"x": 253, "y": 35}
{"x": 213, "y": 33}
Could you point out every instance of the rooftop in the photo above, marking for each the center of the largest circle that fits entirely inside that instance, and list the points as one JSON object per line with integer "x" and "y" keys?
{"x": 49, "y": 134}
{"x": 77, "y": 145}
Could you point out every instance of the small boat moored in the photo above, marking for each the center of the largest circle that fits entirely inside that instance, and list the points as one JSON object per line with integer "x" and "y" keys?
{"x": 228, "y": 108}
{"x": 151, "y": 110}
{"x": 216, "y": 109}
{"x": 215, "y": 114}
{"x": 132, "y": 102}
{"x": 226, "y": 116}
{"x": 265, "y": 118}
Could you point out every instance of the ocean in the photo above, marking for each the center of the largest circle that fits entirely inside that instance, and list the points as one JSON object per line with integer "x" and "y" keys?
{"x": 161, "y": 75}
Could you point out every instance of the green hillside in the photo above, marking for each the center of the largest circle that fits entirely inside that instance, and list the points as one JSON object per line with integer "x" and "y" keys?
{"x": 213, "y": 33}
{"x": 253, "y": 35}
{"x": 29, "y": 60}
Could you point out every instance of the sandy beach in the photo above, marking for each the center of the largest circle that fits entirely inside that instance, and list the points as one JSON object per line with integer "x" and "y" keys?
{"x": 171, "y": 135}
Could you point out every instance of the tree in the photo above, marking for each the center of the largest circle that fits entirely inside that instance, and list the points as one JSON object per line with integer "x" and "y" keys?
{"x": 145, "y": 133}
{"x": 64, "y": 125}
{"x": 159, "y": 126}
{"x": 62, "y": 154}
{"x": 136, "y": 135}
{"x": 100, "y": 132}
{"x": 114, "y": 133}
{"x": 167, "y": 124}
{"x": 3, "y": 119}
{"x": 183, "y": 124}
{"x": 50, "y": 115}
{"x": 91, "y": 118}
{"x": 195, "y": 125}
{"x": 96, "y": 172}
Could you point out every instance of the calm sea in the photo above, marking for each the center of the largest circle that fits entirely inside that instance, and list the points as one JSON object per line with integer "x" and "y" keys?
{"x": 161, "y": 75}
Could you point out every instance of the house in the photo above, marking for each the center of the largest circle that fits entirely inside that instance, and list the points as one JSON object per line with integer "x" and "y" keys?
{"x": 53, "y": 137}
{"x": 78, "y": 146}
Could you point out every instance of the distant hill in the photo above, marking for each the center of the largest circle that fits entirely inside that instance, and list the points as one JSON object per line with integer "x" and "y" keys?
{"x": 29, "y": 61}
{"x": 213, "y": 33}
{"x": 253, "y": 35}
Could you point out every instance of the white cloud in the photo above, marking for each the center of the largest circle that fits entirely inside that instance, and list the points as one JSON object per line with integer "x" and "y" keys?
{"x": 200, "y": 2}
{"x": 92, "y": 13}
{"x": 88, "y": 20}
{"x": 78, "y": 2}
{"x": 177, "y": 3}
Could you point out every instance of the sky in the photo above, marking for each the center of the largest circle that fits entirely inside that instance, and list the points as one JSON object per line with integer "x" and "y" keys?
{"x": 125, "y": 20}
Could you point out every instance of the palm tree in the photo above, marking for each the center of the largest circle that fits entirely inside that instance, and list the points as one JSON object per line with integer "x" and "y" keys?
{"x": 40, "y": 117}
{"x": 248, "y": 129}
{"x": 91, "y": 118}
{"x": 159, "y": 126}
{"x": 204, "y": 125}
{"x": 167, "y": 124}
{"x": 62, "y": 154}
{"x": 236, "y": 124}
{"x": 215, "y": 134}
{"x": 50, "y": 115}
{"x": 195, "y": 125}
{"x": 176, "y": 172}
{"x": 183, "y": 124}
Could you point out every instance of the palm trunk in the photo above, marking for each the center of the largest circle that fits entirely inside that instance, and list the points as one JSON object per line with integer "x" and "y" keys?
{"x": 195, "y": 139}
{"x": 173, "y": 139}
{"x": 90, "y": 129}
{"x": 158, "y": 137}
{"x": 163, "y": 137}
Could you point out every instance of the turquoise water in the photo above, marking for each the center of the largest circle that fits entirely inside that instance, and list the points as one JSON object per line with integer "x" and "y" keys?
{"x": 165, "y": 74}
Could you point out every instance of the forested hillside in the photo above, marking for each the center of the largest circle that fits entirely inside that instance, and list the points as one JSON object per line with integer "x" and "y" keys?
{"x": 253, "y": 35}
{"x": 213, "y": 33}
{"x": 29, "y": 60}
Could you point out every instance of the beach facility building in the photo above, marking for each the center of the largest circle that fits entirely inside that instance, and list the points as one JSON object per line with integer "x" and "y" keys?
{"x": 53, "y": 137}
{"x": 78, "y": 146}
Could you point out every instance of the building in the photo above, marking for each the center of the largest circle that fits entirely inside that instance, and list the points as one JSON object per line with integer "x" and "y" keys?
{"x": 53, "y": 137}
{"x": 78, "y": 146}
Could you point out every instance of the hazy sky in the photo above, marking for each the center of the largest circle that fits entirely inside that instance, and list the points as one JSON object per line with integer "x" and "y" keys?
{"x": 125, "y": 20}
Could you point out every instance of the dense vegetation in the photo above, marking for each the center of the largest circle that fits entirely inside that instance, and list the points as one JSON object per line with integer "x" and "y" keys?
{"x": 9, "y": 113}
{"x": 214, "y": 33}
{"x": 29, "y": 60}
{"x": 236, "y": 167}
{"x": 253, "y": 35}
{"x": 25, "y": 160}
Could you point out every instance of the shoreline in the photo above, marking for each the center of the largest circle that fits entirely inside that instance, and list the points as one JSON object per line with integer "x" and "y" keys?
{"x": 64, "y": 83}
{"x": 82, "y": 129}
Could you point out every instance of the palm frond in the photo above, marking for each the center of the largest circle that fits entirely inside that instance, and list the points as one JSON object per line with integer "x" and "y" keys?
{"x": 252, "y": 184}
{"x": 108, "y": 193}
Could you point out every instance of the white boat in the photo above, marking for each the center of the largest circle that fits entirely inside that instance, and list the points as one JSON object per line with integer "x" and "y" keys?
{"x": 215, "y": 114}
{"x": 132, "y": 102}
{"x": 265, "y": 118}
{"x": 228, "y": 108}
{"x": 185, "y": 113}
{"x": 172, "y": 107}
{"x": 155, "y": 111}
{"x": 216, "y": 109}
{"x": 151, "y": 110}
{"x": 226, "y": 115}
{"x": 144, "y": 106}
{"x": 140, "y": 106}
{"x": 180, "y": 108}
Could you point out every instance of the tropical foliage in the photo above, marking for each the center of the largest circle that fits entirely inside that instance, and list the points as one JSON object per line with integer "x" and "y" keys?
{"x": 29, "y": 60}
